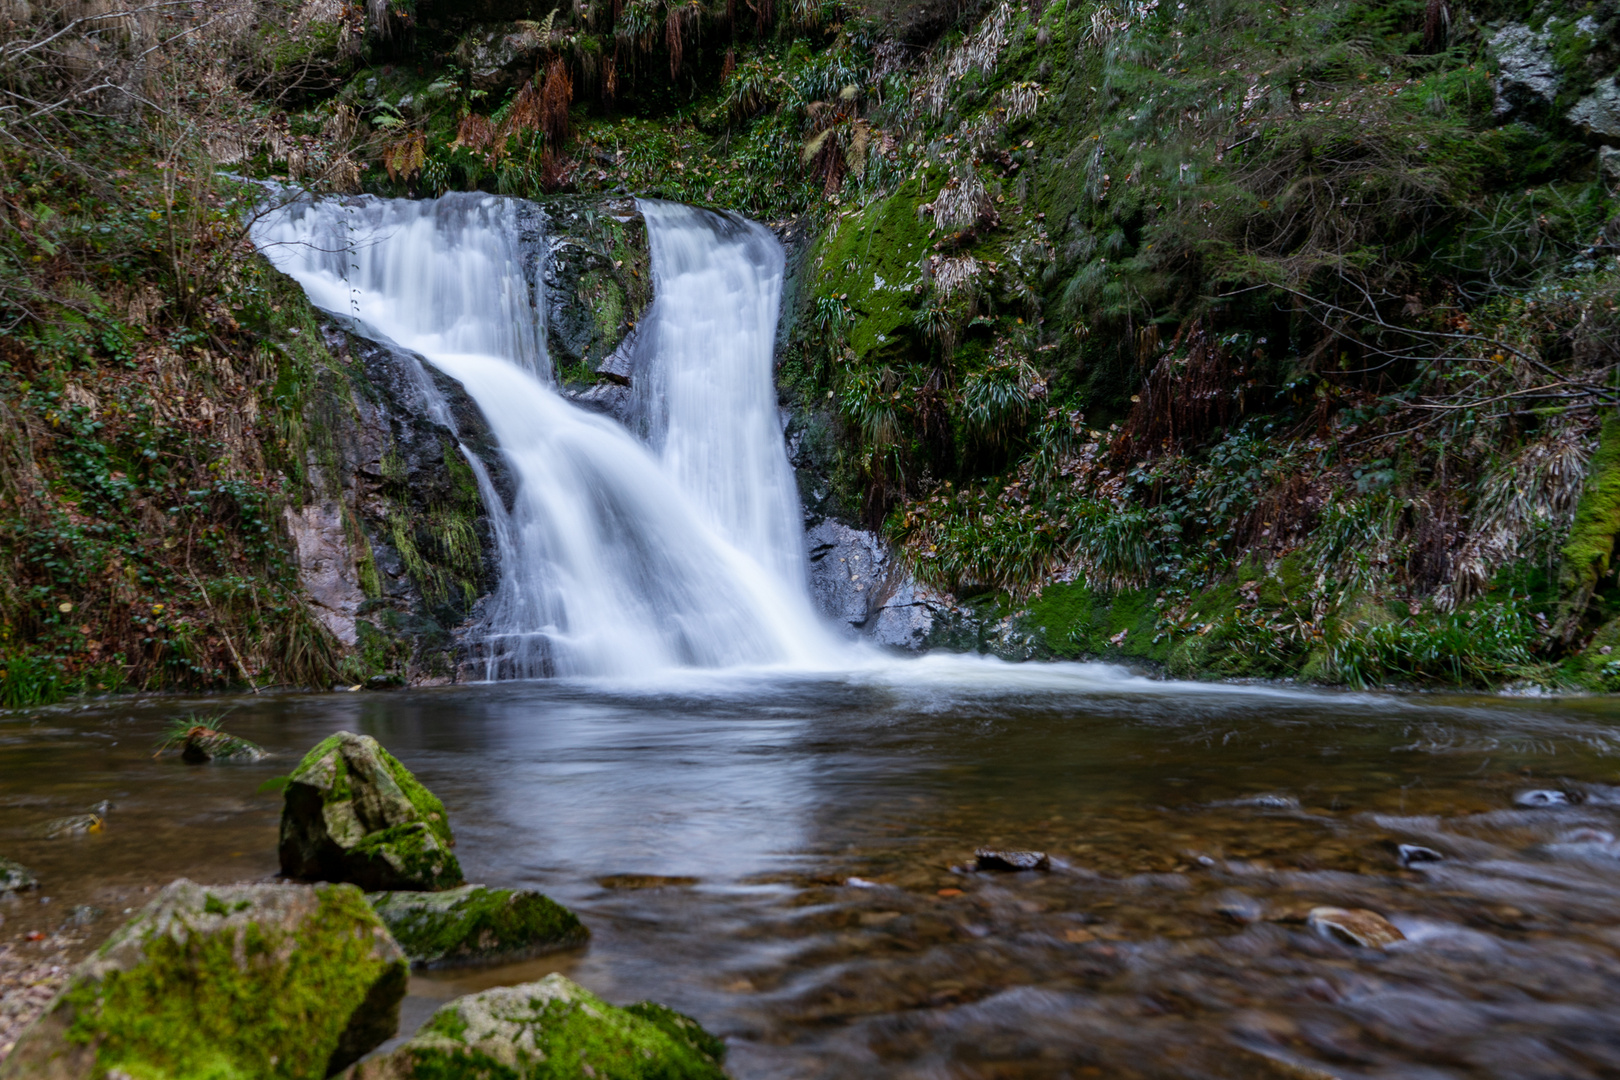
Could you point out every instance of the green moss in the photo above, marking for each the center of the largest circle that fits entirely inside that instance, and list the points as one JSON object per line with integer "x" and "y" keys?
{"x": 477, "y": 924}
{"x": 551, "y": 1030}
{"x": 413, "y": 852}
{"x": 874, "y": 258}
{"x": 224, "y": 997}
{"x": 1590, "y": 545}
{"x": 1073, "y": 620}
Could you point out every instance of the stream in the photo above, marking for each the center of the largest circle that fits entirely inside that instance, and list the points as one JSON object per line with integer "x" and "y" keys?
{"x": 783, "y": 858}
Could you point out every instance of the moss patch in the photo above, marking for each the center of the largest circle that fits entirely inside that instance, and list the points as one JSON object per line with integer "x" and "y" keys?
{"x": 552, "y": 1029}
{"x": 873, "y": 260}
{"x": 228, "y": 982}
{"x": 475, "y": 924}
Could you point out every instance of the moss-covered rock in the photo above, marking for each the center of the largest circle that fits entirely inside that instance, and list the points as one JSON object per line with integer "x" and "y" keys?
{"x": 354, "y": 813}
{"x": 476, "y": 924}
{"x": 15, "y": 877}
{"x": 1590, "y": 545}
{"x": 225, "y": 983}
{"x": 552, "y": 1029}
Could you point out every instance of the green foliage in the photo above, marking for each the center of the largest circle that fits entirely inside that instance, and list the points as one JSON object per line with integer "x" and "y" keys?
{"x": 1487, "y": 644}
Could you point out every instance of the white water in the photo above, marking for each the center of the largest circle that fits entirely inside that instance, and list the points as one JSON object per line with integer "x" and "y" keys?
{"x": 616, "y": 559}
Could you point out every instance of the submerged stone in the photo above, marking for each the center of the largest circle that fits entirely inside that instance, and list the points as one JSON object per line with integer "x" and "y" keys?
{"x": 354, "y": 813}
{"x": 225, "y": 982}
{"x": 1358, "y": 926}
{"x": 93, "y": 821}
{"x": 205, "y": 744}
{"x": 1011, "y": 860}
{"x": 552, "y": 1029}
{"x": 477, "y": 925}
{"x": 15, "y": 877}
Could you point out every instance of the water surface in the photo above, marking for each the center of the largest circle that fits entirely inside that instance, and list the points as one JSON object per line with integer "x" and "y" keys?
{"x": 824, "y": 926}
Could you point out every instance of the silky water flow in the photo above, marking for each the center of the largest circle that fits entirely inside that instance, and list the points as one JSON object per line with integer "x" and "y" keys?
{"x": 618, "y": 556}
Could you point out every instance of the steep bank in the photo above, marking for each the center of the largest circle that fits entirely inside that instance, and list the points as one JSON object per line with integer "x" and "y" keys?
{"x": 1248, "y": 341}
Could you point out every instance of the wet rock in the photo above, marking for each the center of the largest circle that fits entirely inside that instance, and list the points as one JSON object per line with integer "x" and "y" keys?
{"x": 205, "y": 744}
{"x": 550, "y": 1028}
{"x": 225, "y": 981}
{"x": 1609, "y": 167}
{"x": 1527, "y": 78}
{"x": 499, "y": 56}
{"x": 1544, "y": 797}
{"x": 1598, "y": 113}
{"x": 354, "y": 813}
{"x": 327, "y": 567}
{"x": 1239, "y": 907}
{"x": 76, "y": 824}
{"x": 1358, "y": 926}
{"x": 15, "y": 877}
{"x": 1416, "y": 854}
{"x": 990, "y": 859}
{"x": 855, "y": 580}
{"x": 477, "y": 925}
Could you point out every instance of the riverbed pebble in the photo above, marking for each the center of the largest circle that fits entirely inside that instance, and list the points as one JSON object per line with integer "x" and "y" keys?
{"x": 1358, "y": 926}
{"x": 14, "y": 877}
{"x": 1542, "y": 797}
{"x": 1005, "y": 861}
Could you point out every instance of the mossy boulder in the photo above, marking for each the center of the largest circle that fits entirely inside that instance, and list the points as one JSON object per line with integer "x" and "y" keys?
{"x": 225, "y": 983}
{"x": 553, "y": 1029}
{"x": 477, "y": 925}
{"x": 14, "y": 877}
{"x": 354, "y": 813}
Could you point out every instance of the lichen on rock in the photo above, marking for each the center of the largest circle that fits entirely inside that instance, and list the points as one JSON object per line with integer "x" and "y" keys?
{"x": 476, "y": 924}
{"x": 354, "y": 813}
{"x": 226, "y": 983}
{"x": 552, "y": 1029}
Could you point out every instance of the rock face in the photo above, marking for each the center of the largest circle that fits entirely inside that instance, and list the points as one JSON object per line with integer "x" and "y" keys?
{"x": 354, "y": 813}
{"x": 553, "y": 1028}
{"x": 855, "y": 580}
{"x": 15, "y": 877}
{"x": 223, "y": 982}
{"x": 1598, "y": 113}
{"x": 477, "y": 925}
{"x": 1527, "y": 78}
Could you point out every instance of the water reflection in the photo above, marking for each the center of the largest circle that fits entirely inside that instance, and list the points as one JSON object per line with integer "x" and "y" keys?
{"x": 1191, "y": 832}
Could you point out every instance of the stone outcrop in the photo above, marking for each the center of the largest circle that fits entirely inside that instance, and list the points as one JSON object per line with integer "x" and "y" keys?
{"x": 475, "y": 924}
{"x": 1598, "y": 113}
{"x": 354, "y": 813}
{"x": 856, "y": 581}
{"x": 551, "y": 1028}
{"x": 224, "y": 981}
{"x": 1527, "y": 80}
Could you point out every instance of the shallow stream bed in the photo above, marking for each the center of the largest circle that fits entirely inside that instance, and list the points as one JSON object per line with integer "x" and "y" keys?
{"x": 783, "y": 859}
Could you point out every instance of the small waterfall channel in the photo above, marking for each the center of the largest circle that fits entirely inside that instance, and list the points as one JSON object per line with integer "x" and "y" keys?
{"x": 618, "y": 556}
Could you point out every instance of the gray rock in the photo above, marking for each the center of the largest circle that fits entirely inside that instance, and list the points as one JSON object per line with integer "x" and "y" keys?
{"x": 1011, "y": 861}
{"x": 1543, "y": 797}
{"x": 1598, "y": 113}
{"x": 1609, "y": 167}
{"x": 327, "y": 566}
{"x": 354, "y": 813}
{"x": 227, "y": 980}
{"x": 477, "y": 925}
{"x": 1526, "y": 78}
{"x": 1358, "y": 926}
{"x": 856, "y": 581}
{"x": 14, "y": 877}
{"x": 501, "y": 55}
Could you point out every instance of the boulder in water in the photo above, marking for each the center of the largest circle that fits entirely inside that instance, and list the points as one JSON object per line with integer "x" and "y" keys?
{"x": 1007, "y": 861}
{"x": 225, "y": 981}
{"x": 477, "y": 925}
{"x": 354, "y": 813}
{"x": 551, "y": 1028}
{"x": 14, "y": 877}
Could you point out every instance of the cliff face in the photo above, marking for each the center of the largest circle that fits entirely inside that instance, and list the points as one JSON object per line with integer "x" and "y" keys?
{"x": 1246, "y": 340}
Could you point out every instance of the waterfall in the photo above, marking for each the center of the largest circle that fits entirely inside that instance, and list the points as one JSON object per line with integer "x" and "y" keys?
{"x": 617, "y": 557}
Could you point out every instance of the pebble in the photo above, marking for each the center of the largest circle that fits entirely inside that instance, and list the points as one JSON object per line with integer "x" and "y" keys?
{"x": 1542, "y": 797}
{"x": 15, "y": 877}
{"x": 1358, "y": 926}
{"x": 1408, "y": 854}
{"x": 989, "y": 859}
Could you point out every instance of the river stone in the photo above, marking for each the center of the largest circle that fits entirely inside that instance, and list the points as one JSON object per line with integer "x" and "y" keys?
{"x": 477, "y": 925}
{"x": 354, "y": 813}
{"x": 555, "y": 1029}
{"x": 205, "y": 744}
{"x": 225, "y": 982}
{"x": 14, "y": 877}
{"x": 1358, "y": 926}
{"x": 1011, "y": 860}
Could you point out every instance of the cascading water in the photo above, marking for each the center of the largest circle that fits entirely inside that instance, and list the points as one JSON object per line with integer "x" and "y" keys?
{"x": 616, "y": 557}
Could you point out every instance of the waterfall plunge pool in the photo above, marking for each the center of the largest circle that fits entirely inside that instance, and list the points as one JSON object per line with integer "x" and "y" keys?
{"x": 821, "y": 928}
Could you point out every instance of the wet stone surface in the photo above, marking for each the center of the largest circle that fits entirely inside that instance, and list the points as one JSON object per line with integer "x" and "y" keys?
{"x": 794, "y": 865}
